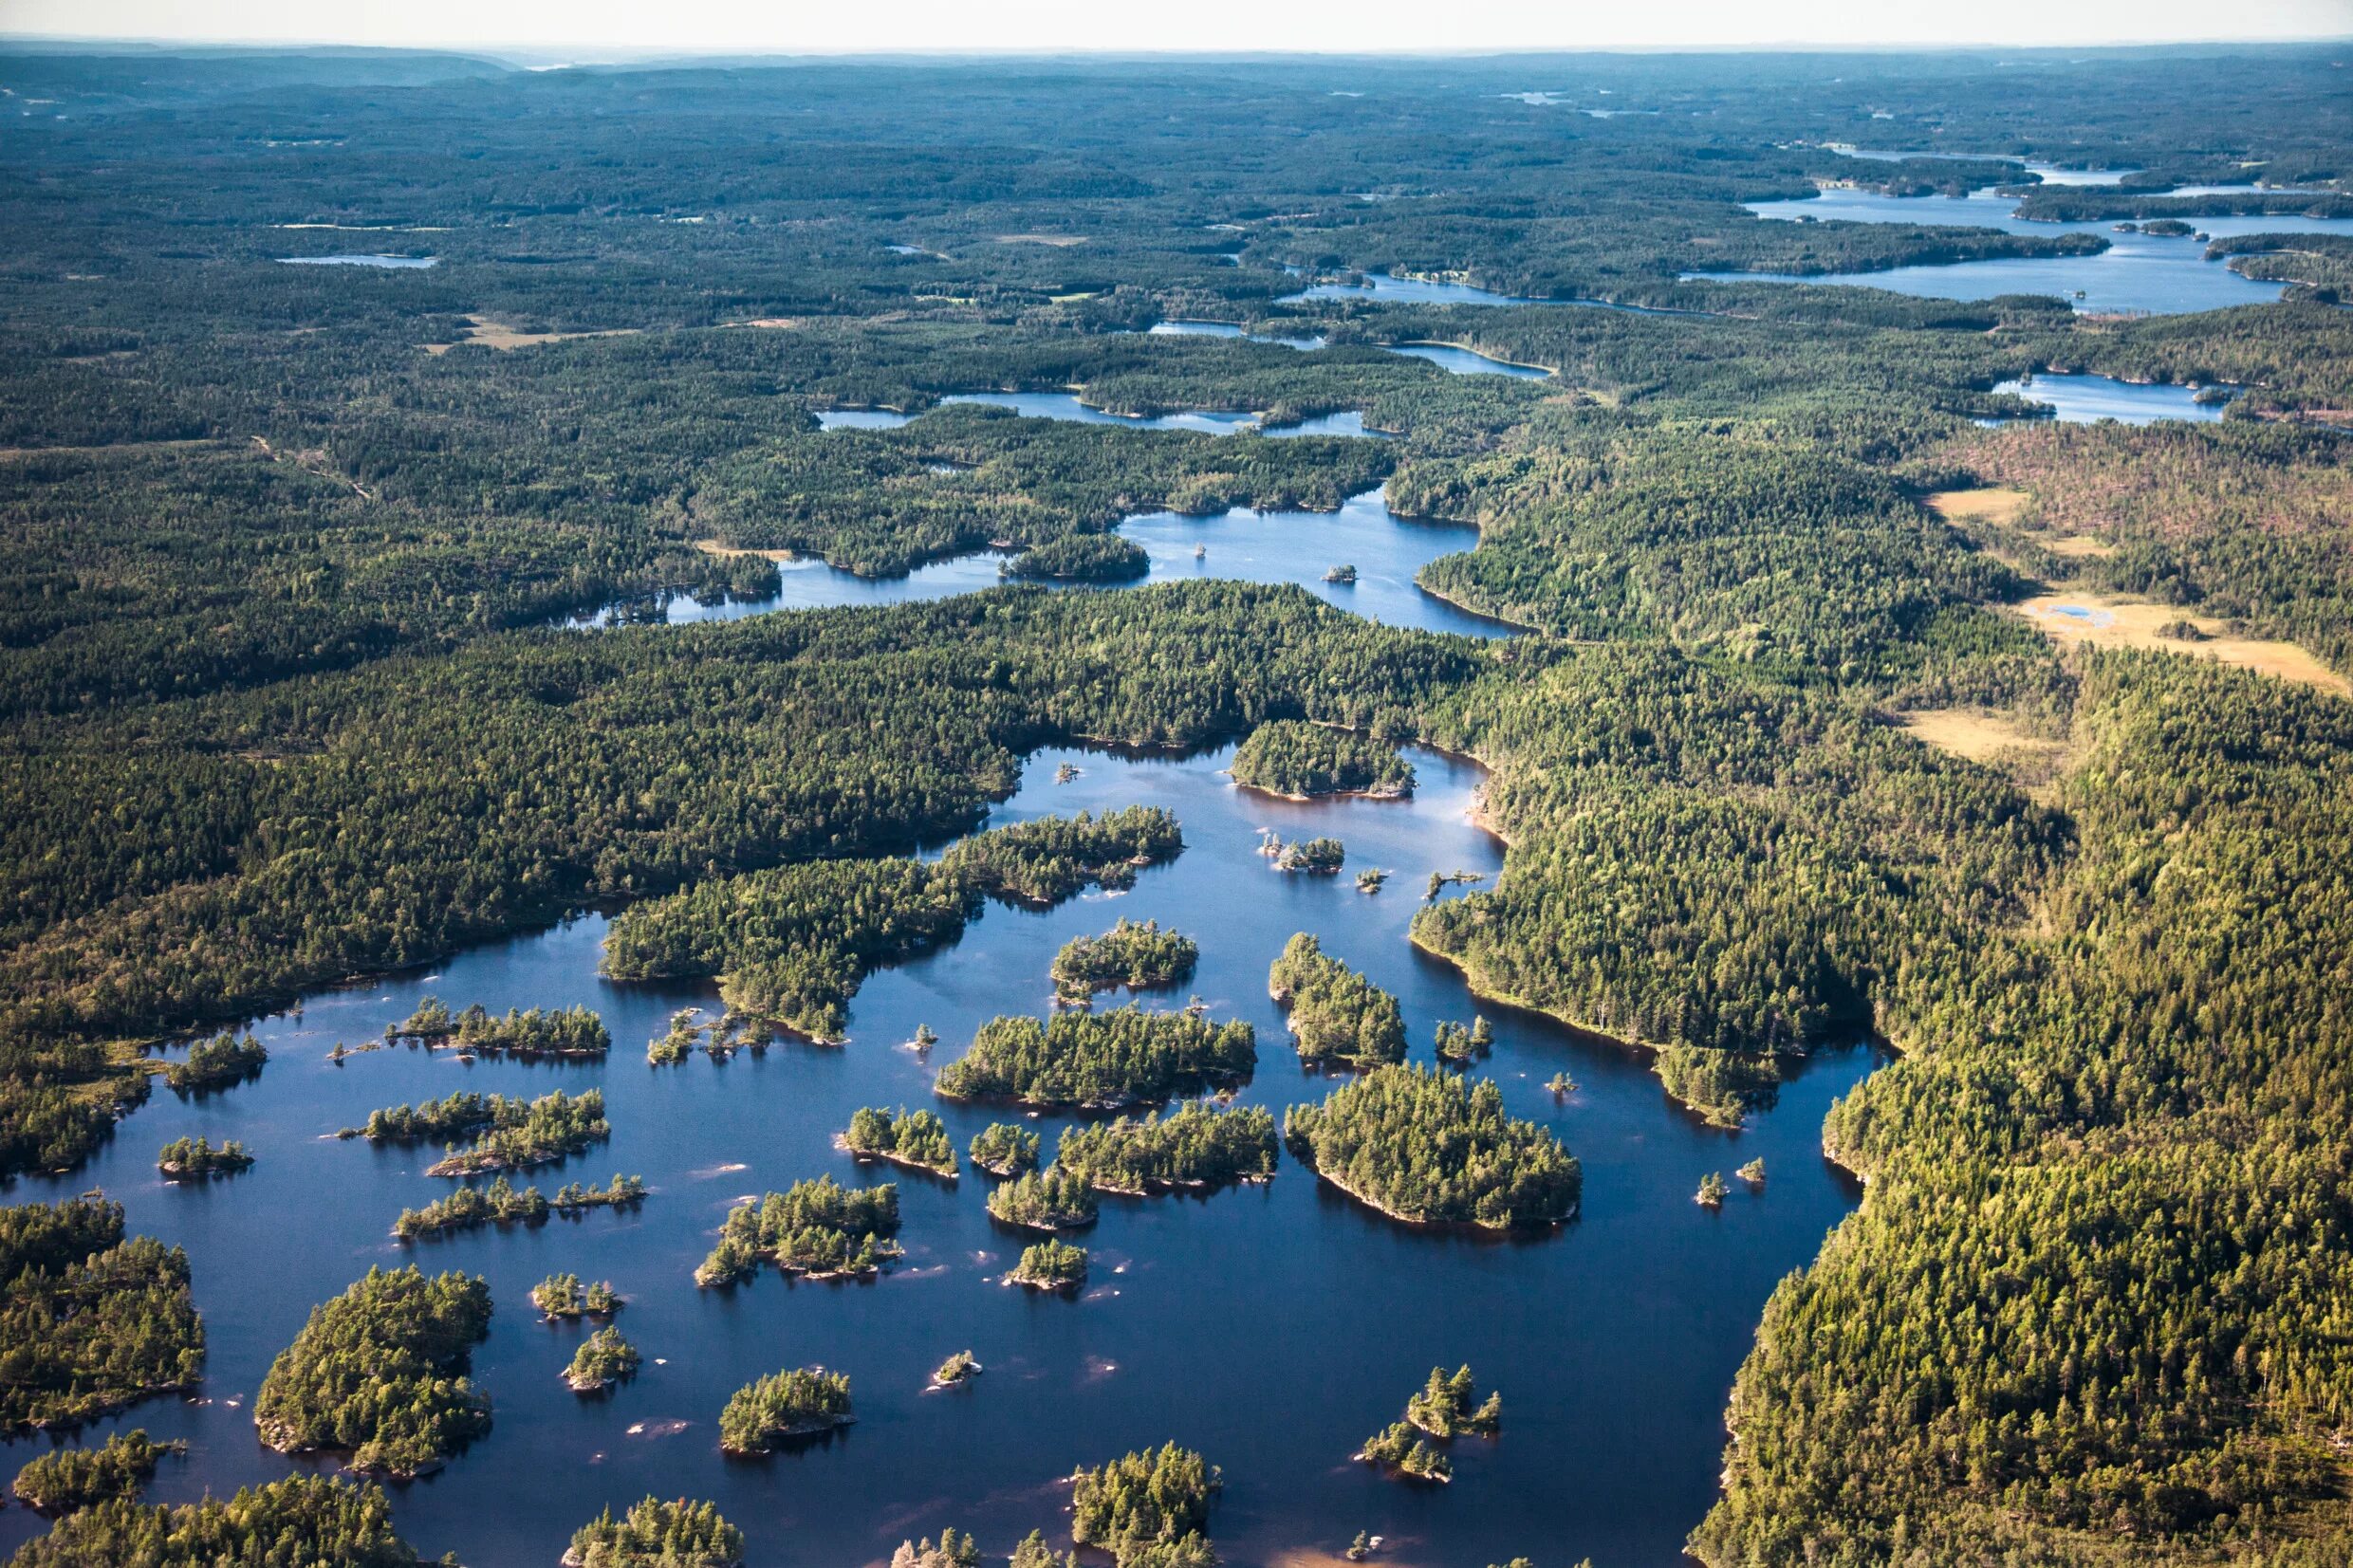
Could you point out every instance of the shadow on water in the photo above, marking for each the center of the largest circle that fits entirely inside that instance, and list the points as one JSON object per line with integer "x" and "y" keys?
{"x": 1273, "y": 1326}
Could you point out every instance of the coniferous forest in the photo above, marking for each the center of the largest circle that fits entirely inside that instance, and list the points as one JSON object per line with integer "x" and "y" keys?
{"x": 663, "y": 513}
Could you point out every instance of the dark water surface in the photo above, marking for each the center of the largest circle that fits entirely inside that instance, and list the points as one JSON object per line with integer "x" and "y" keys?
{"x": 1273, "y": 1327}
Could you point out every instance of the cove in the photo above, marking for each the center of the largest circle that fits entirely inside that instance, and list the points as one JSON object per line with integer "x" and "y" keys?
{"x": 1273, "y": 1327}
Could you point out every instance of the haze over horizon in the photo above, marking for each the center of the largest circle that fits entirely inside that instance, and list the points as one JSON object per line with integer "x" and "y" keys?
{"x": 608, "y": 31}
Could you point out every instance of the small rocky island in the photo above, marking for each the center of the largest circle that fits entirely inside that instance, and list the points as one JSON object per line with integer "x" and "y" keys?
{"x": 195, "y": 1160}
{"x": 960, "y": 1368}
{"x": 1050, "y": 1265}
{"x": 604, "y": 1359}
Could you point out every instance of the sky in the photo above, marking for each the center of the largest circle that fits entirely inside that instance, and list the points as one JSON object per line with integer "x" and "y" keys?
{"x": 603, "y": 29}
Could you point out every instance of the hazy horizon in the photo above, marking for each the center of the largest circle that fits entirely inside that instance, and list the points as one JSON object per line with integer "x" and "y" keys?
{"x": 602, "y": 32}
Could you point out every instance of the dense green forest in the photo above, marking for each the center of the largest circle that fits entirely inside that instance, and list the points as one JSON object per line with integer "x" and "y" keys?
{"x": 783, "y": 1406}
{"x": 657, "y": 1534}
{"x": 297, "y": 1522}
{"x": 328, "y": 604}
{"x": 73, "y": 1478}
{"x": 90, "y": 1319}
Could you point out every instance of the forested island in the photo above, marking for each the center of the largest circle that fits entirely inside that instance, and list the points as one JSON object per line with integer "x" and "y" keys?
{"x": 73, "y": 1478}
{"x": 792, "y": 946}
{"x": 1151, "y": 1506}
{"x": 604, "y": 1359}
{"x": 93, "y": 1320}
{"x": 1136, "y": 954}
{"x": 1003, "y": 1150}
{"x": 548, "y": 1129}
{"x": 1050, "y": 1266}
{"x": 563, "y": 1296}
{"x": 816, "y": 1227}
{"x": 1303, "y": 760}
{"x": 1101, "y": 1062}
{"x": 217, "y": 1063}
{"x": 1052, "y": 1199}
{"x": 1336, "y": 1014}
{"x": 1196, "y": 1145}
{"x": 519, "y": 1032}
{"x": 380, "y": 1372}
{"x": 916, "y": 1139}
{"x": 784, "y": 1405}
{"x": 502, "y": 1202}
{"x": 657, "y": 1534}
{"x": 195, "y": 1160}
{"x": 1422, "y": 1146}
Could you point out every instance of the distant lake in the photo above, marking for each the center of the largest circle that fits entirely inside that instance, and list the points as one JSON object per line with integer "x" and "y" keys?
{"x": 1066, "y": 406}
{"x": 360, "y": 261}
{"x": 2051, "y": 174}
{"x": 1227, "y": 329}
{"x": 1464, "y": 361}
{"x": 2085, "y": 399}
{"x": 2159, "y": 275}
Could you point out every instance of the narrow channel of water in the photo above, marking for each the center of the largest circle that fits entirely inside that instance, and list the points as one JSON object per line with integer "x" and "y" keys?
{"x": 393, "y": 262}
{"x": 1066, "y": 406}
{"x": 1274, "y": 1328}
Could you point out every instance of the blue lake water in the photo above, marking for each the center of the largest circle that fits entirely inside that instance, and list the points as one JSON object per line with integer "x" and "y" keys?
{"x": 1272, "y": 1327}
{"x": 1227, "y": 329}
{"x": 1066, "y": 406}
{"x": 1380, "y": 285}
{"x": 2084, "y": 399}
{"x": 2149, "y": 272}
{"x": 395, "y": 262}
{"x": 1464, "y": 361}
{"x": 2051, "y": 174}
{"x": 1294, "y": 547}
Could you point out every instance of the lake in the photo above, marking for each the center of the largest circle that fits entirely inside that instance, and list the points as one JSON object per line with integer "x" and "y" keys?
{"x": 1272, "y": 1327}
{"x": 1066, "y": 406}
{"x": 1295, "y": 546}
{"x": 1380, "y": 286}
{"x": 396, "y": 262}
{"x": 1459, "y": 360}
{"x": 2085, "y": 399}
{"x": 2146, "y": 273}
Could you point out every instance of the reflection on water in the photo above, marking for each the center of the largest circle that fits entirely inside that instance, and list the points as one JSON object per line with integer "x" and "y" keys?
{"x": 2085, "y": 399}
{"x": 1464, "y": 361}
{"x": 1271, "y": 1327}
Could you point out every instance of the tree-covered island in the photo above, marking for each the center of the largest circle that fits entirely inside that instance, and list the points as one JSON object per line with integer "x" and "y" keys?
{"x": 1050, "y": 1266}
{"x": 1100, "y": 1060}
{"x": 92, "y": 1320}
{"x": 604, "y": 1360}
{"x": 1196, "y": 1145}
{"x": 1299, "y": 759}
{"x": 1427, "y": 1147}
{"x": 519, "y": 1032}
{"x": 1136, "y": 954}
{"x": 550, "y": 1128}
{"x": 381, "y": 1372}
{"x": 655, "y": 1533}
{"x": 1052, "y": 1199}
{"x": 1003, "y": 1148}
{"x": 1150, "y": 1507}
{"x": 784, "y": 1405}
{"x": 817, "y": 1229}
{"x": 196, "y": 1160}
{"x": 918, "y": 1139}
{"x": 1336, "y": 1014}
